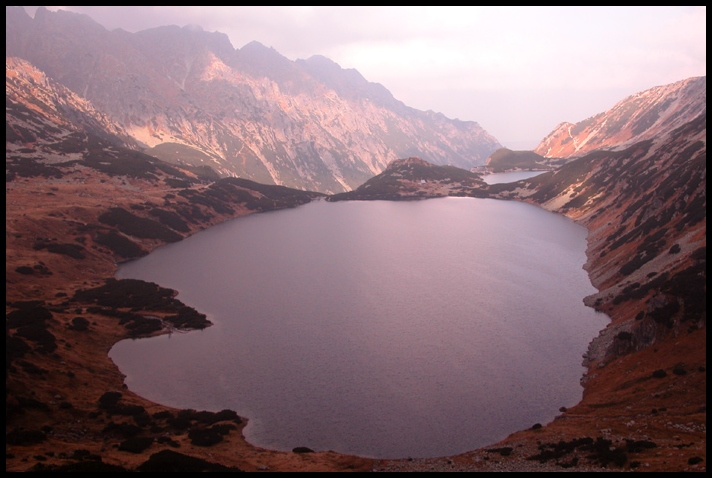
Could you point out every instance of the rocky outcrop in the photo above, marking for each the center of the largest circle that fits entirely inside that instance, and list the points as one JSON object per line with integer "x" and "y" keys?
{"x": 41, "y": 112}
{"x": 187, "y": 96}
{"x": 639, "y": 117}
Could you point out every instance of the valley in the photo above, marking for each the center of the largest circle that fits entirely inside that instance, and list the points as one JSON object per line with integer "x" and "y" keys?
{"x": 87, "y": 187}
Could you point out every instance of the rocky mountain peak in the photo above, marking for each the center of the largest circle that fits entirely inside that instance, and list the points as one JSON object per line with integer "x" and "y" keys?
{"x": 638, "y": 117}
{"x": 190, "y": 98}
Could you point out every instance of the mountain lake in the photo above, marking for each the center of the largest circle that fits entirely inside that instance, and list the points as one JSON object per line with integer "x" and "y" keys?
{"x": 375, "y": 328}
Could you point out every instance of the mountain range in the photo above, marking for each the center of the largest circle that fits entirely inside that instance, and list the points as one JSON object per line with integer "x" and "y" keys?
{"x": 117, "y": 143}
{"x": 187, "y": 96}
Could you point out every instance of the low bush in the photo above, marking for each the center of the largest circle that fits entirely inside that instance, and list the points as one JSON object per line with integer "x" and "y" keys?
{"x": 119, "y": 245}
{"x": 136, "y": 444}
{"x": 133, "y": 225}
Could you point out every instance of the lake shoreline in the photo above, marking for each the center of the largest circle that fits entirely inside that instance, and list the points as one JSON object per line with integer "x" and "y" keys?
{"x": 25, "y": 222}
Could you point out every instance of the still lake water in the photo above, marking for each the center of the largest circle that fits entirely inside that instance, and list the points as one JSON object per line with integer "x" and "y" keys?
{"x": 510, "y": 177}
{"x": 376, "y": 328}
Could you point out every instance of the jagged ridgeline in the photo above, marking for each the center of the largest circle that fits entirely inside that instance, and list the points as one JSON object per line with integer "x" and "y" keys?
{"x": 187, "y": 96}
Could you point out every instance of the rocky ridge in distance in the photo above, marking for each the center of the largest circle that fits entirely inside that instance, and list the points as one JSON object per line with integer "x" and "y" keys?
{"x": 188, "y": 97}
{"x": 644, "y": 115}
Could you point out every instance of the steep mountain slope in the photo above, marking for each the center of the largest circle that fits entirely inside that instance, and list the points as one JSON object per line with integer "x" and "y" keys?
{"x": 645, "y": 207}
{"x": 642, "y": 116}
{"x": 39, "y": 110}
{"x": 188, "y": 96}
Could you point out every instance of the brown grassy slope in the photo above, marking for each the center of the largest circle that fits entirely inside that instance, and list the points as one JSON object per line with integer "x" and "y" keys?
{"x": 644, "y": 403}
{"x": 53, "y": 412}
{"x": 645, "y": 209}
{"x": 53, "y": 397}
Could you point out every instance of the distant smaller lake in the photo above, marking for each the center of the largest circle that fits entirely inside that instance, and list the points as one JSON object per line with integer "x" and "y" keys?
{"x": 496, "y": 178}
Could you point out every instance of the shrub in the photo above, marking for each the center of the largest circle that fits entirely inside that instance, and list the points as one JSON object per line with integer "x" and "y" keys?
{"x": 170, "y": 219}
{"x": 119, "y": 245}
{"x": 79, "y": 324}
{"x": 205, "y": 436}
{"x": 40, "y": 335}
{"x": 133, "y": 225}
{"x": 136, "y": 444}
{"x": 25, "y": 437}
{"x": 302, "y": 449}
{"x": 15, "y": 348}
{"x": 109, "y": 399}
{"x": 27, "y": 314}
{"x": 74, "y": 251}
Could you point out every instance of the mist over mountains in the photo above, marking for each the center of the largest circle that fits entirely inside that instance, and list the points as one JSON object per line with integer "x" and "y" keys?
{"x": 188, "y": 97}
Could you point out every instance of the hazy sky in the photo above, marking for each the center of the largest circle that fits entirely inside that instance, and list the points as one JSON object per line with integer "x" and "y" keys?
{"x": 517, "y": 71}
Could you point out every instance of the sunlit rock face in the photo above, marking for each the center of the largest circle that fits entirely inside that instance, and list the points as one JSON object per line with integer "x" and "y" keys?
{"x": 186, "y": 95}
{"x": 641, "y": 116}
{"x": 45, "y": 114}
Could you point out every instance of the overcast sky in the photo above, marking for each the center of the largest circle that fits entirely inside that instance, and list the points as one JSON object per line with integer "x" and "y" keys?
{"x": 517, "y": 71}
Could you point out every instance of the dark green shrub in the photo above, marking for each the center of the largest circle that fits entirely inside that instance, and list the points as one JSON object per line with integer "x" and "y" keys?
{"x": 79, "y": 324}
{"x": 504, "y": 451}
{"x": 74, "y": 251}
{"x": 25, "y": 437}
{"x": 635, "y": 446}
{"x": 302, "y": 449}
{"x": 205, "y": 436}
{"x": 15, "y": 348}
{"x": 133, "y": 225}
{"x": 120, "y": 245}
{"x": 162, "y": 415}
{"x": 136, "y": 444}
{"x": 45, "y": 340}
{"x": 170, "y": 219}
{"x": 29, "y": 314}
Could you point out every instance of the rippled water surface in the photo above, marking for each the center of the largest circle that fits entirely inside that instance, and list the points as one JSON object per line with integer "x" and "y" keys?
{"x": 382, "y": 329}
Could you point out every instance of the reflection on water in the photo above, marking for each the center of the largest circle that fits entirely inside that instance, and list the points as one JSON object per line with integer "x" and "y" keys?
{"x": 382, "y": 329}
